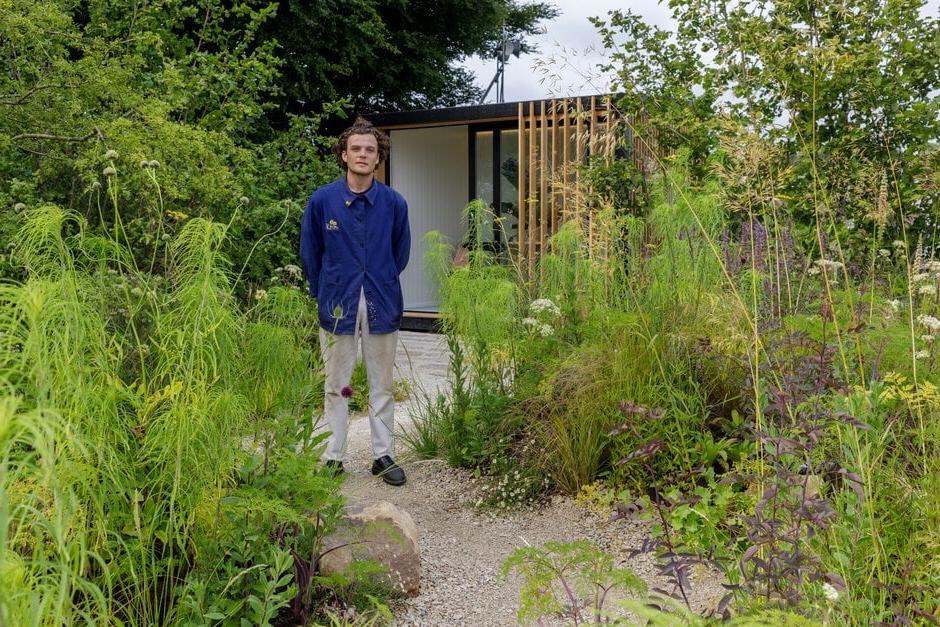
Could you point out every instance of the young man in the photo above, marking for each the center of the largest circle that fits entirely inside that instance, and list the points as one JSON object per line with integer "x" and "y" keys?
{"x": 354, "y": 244}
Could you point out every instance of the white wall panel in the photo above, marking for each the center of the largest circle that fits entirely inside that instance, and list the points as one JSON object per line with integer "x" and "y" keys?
{"x": 428, "y": 166}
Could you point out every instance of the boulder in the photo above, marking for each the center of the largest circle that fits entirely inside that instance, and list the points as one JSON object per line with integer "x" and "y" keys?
{"x": 380, "y": 532}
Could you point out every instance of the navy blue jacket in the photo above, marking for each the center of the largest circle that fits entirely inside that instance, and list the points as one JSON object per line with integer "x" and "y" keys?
{"x": 350, "y": 242}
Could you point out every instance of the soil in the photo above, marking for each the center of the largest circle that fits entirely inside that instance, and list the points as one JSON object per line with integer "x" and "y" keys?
{"x": 463, "y": 548}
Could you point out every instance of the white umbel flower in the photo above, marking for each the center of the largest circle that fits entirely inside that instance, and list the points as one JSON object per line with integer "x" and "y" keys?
{"x": 544, "y": 305}
{"x": 930, "y": 322}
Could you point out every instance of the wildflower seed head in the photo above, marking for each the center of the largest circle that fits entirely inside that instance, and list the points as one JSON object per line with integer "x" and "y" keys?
{"x": 829, "y": 264}
{"x": 922, "y": 354}
{"x": 154, "y": 164}
{"x": 259, "y": 294}
{"x": 96, "y": 185}
{"x": 19, "y": 207}
{"x": 927, "y": 290}
{"x": 109, "y": 171}
{"x": 884, "y": 253}
{"x": 243, "y": 200}
{"x": 144, "y": 164}
{"x": 111, "y": 154}
{"x": 932, "y": 323}
{"x": 831, "y": 594}
{"x": 898, "y": 244}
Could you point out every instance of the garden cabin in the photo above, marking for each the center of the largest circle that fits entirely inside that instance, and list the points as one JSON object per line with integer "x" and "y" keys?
{"x": 517, "y": 157}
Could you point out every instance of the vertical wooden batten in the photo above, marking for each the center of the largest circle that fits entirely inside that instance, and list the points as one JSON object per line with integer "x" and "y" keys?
{"x": 553, "y": 225}
{"x": 578, "y": 156}
{"x": 532, "y": 198}
{"x": 543, "y": 178}
{"x": 592, "y": 152}
{"x": 609, "y": 134}
{"x": 565, "y": 140}
{"x": 520, "y": 185}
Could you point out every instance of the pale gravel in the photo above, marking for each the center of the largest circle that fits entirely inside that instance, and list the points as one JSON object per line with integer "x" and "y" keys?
{"x": 462, "y": 548}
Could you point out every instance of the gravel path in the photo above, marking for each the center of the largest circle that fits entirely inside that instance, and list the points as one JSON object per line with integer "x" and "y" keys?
{"x": 462, "y": 549}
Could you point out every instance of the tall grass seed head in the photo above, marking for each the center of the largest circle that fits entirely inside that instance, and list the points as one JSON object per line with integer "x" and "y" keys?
{"x": 881, "y": 211}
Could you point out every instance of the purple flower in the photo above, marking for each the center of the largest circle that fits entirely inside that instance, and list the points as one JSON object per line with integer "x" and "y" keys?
{"x": 346, "y": 392}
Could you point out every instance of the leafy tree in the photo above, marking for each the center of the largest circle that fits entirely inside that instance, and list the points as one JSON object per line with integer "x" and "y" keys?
{"x": 847, "y": 91}
{"x": 178, "y": 94}
{"x": 390, "y": 54}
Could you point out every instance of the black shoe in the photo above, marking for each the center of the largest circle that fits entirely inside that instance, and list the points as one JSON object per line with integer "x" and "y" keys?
{"x": 392, "y": 474}
{"x": 334, "y": 466}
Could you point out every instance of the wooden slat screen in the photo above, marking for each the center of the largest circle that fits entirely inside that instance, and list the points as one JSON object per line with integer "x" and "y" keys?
{"x": 555, "y": 137}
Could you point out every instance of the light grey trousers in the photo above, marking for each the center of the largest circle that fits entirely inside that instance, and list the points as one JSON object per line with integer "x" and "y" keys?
{"x": 339, "y": 359}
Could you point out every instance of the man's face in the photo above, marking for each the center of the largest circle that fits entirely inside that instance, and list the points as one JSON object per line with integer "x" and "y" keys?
{"x": 362, "y": 154}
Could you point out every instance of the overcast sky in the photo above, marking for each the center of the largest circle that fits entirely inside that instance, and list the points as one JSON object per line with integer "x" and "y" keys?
{"x": 571, "y": 40}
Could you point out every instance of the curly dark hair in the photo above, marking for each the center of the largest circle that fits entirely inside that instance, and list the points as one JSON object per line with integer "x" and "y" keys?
{"x": 361, "y": 126}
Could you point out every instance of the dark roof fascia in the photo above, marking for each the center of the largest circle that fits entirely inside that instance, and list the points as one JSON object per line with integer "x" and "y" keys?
{"x": 461, "y": 115}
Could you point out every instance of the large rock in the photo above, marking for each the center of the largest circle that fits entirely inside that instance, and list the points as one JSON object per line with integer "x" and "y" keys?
{"x": 380, "y": 532}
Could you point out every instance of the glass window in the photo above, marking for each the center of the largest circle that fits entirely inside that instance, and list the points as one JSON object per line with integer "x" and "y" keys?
{"x": 483, "y": 189}
{"x": 509, "y": 186}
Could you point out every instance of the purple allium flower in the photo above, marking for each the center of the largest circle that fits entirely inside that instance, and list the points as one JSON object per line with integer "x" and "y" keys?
{"x": 346, "y": 392}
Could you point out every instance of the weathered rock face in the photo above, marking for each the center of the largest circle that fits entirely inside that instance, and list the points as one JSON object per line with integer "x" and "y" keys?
{"x": 379, "y": 532}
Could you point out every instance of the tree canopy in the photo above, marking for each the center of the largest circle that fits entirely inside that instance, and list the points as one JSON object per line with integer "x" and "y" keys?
{"x": 390, "y": 54}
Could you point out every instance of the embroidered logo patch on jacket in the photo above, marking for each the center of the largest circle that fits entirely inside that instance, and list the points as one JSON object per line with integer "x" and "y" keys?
{"x": 332, "y": 226}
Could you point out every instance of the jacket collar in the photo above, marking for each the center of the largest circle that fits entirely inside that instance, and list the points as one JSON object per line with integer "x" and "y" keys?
{"x": 349, "y": 196}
